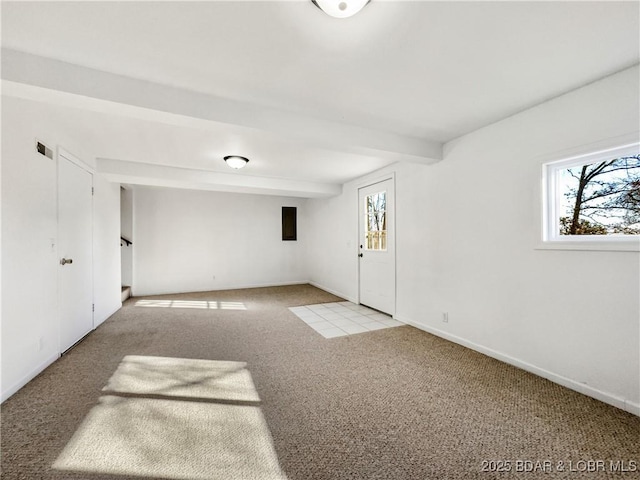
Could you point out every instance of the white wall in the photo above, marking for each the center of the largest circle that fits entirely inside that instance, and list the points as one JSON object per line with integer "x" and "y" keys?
{"x": 333, "y": 243}
{"x": 184, "y": 238}
{"x": 467, "y": 231}
{"x": 106, "y": 249}
{"x": 30, "y": 328}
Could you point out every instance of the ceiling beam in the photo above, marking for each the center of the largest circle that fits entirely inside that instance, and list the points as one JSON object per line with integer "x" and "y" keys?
{"x": 45, "y": 79}
{"x": 137, "y": 173}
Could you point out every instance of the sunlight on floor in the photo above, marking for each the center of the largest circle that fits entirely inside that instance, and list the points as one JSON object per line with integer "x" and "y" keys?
{"x": 199, "y": 304}
{"x": 182, "y": 377}
{"x": 175, "y": 418}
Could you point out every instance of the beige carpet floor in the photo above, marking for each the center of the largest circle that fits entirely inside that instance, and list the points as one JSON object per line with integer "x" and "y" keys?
{"x": 177, "y": 419}
{"x": 396, "y": 404}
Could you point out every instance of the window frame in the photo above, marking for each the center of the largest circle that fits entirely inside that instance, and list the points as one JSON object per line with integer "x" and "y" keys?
{"x": 551, "y": 238}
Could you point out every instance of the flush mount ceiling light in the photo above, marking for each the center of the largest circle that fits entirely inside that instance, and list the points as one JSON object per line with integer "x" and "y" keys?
{"x": 340, "y": 8}
{"x": 236, "y": 161}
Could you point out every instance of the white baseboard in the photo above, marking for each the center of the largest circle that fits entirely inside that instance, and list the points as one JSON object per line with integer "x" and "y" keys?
{"x": 266, "y": 285}
{"x": 333, "y": 292}
{"x": 243, "y": 286}
{"x": 605, "y": 397}
{"x": 33, "y": 373}
{"x": 632, "y": 407}
{"x": 28, "y": 377}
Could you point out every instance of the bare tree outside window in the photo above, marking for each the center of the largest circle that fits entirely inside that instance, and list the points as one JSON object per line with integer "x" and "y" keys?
{"x": 376, "y": 221}
{"x": 601, "y": 198}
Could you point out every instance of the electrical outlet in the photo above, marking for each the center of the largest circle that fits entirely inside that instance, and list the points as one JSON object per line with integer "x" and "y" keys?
{"x": 445, "y": 317}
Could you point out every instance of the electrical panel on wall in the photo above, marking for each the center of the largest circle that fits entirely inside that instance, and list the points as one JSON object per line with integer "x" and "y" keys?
{"x": 289, "y": 223}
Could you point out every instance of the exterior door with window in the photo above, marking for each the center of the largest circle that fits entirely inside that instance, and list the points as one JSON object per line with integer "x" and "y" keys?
{"x": 377, "y": 246}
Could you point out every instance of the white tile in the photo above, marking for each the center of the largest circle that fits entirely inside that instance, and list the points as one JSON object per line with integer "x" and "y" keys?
{"x": 360, "y": 319}
{"x": 379, "y": 317}
{"x": 368, "y": 311}
{"x": 298, "y": 309}
{"x": 352, "y": 306}
{"x": 374, "y": 326}
{"x": 323, "y": 325}
{"x": 316, "y": 308}
{"x": 341, "y": 322}
{"x": 313, "y": 319}
{"x": 391, "y": 323}
{"x": 333, "y": 332}
{"x": 351, "y": 329}
{"x": 360, "y": 308}
{"x": 335, "y": 306}
{"x": 338, "y": 319}
{"x": 341, "y": 310}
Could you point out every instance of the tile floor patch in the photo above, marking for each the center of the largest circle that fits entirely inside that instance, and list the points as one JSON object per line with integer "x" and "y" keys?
{"x": 343, "y": 318}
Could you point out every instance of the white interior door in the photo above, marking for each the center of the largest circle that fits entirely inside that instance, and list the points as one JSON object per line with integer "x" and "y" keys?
{"x": 75, "y": 224}
{"x": 377, "y": 246}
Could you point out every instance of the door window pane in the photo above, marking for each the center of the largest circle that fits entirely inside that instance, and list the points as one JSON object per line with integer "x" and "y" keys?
{"x": 376, "y": 221}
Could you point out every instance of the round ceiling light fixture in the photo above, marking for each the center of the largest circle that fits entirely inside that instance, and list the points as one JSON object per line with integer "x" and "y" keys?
{"x": 236, "y": 161}
{"x": 340, "y": 8}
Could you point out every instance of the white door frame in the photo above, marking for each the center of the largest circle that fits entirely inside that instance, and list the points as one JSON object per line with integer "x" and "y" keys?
{"x": 389, "y": 176}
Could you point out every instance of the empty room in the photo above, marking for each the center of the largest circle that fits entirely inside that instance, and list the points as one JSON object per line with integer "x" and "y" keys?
{"x": 320, "y": 239}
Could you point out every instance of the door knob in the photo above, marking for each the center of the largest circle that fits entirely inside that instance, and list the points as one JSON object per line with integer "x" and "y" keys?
{"x": 64, "y": 261}
{"x": 360, "y": 255}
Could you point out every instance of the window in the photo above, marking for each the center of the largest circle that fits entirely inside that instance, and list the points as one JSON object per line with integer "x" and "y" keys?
{"x": 375, "y": 220}
{"x": 594, "y": 197}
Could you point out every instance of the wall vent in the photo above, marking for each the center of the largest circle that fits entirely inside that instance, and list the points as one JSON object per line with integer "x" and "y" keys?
{"x": 42, "y": 149}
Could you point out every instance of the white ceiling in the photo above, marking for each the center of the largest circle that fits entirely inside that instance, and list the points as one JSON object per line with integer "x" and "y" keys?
{"x": 400, "y": 78}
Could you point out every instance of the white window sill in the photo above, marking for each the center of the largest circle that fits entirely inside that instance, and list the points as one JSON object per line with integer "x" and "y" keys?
{"x": 608, "y": 245}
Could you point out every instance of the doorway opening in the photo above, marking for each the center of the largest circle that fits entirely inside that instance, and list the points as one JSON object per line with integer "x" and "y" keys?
{"x": 126, "y": 240}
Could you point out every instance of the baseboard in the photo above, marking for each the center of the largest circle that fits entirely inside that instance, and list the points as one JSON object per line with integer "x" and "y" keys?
{"x": 28, "y": 377}
{"x": 31, "y": 375}
{"x": 632, "y": 407}
{"x": 333, "y": 292}
{"x": 605, "y": 397}
{"x": 220, "y": 288}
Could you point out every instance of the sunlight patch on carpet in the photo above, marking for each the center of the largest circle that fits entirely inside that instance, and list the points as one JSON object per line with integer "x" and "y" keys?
{"x": 197, "y": 304}
{"x": 199, "y": 424}
{"x": 183, "y": 377}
